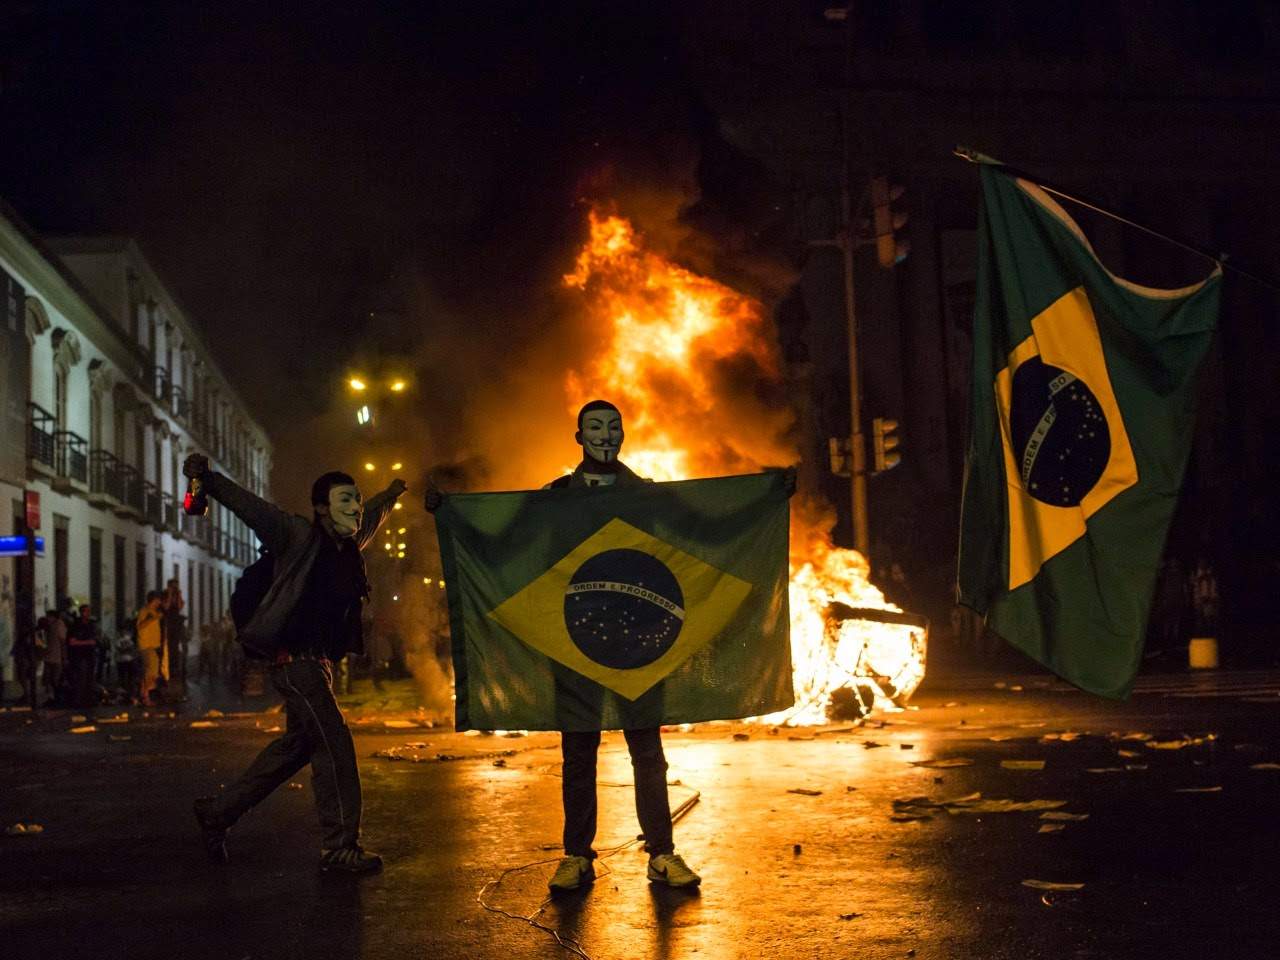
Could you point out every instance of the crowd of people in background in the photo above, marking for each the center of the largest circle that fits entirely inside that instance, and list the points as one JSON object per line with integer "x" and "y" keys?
{"x": 70, "y": 660}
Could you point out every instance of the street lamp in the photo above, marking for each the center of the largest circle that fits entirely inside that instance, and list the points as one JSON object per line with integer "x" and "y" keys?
{"x": 356, "y": 384}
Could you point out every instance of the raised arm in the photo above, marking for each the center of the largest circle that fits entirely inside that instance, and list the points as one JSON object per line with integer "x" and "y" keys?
{"x": 376, "y": 509}
{"x": 273, "y": 526}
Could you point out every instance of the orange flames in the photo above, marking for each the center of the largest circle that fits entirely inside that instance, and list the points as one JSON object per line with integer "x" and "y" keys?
{"x": 686, "y": 357}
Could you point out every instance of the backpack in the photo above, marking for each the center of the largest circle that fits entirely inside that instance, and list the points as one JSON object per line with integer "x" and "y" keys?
{"x": 250, "y": 590}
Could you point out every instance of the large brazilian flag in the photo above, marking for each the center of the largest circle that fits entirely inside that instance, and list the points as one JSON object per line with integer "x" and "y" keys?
{"x": 618, "y": 607}
{"x": 1082, "y": 409}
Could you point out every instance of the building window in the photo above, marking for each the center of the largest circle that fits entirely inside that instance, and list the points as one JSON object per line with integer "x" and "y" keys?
{"x": 140, "y": 445}
{"x": 117, "y": 433}
{"x": 140, "y": 574}
{"x": 118, "y": 568}
{"x": 60, "y": 395}
{"x": 61, "y": 556}
{"x": 95, "y": 575}
{"x": 95, "y": 420}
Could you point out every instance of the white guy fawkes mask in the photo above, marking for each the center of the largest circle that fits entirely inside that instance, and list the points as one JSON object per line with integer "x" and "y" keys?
{"x": 601, "y": 435}
{"x": 346, "y": 507}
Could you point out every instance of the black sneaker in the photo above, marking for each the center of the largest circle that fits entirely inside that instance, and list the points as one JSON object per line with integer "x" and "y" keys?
{"x": 212, "y": 829}
{"x": 349, "y": 860}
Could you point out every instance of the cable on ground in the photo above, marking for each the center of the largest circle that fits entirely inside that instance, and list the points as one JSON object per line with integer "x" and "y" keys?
{"x": 569, "y": 943}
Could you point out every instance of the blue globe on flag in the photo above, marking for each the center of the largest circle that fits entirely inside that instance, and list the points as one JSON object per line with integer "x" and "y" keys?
{"x": 623, "y": 608}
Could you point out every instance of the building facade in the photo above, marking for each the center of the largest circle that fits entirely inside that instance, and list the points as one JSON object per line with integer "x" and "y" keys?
{"x": 105, "y": 387}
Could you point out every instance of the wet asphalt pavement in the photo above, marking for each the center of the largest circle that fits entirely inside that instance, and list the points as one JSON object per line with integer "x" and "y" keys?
{"x": 794, "y": 832}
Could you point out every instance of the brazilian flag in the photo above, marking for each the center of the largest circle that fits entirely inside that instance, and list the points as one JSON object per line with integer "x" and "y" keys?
{"x": 618, "y": 607}
{"x": 1082, "y": 409}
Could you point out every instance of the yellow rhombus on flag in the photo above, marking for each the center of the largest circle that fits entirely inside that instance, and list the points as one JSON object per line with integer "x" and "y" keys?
{"x": 1048, "y": 515}
{"x": 694, "y": 603}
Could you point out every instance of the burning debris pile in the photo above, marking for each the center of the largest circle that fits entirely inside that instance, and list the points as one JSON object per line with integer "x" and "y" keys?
{"x": 696, "y": 366}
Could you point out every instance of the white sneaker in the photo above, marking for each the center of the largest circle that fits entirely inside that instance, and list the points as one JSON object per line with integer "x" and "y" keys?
{"x": 572, "y": 873}
{"x": 670, "y": 868}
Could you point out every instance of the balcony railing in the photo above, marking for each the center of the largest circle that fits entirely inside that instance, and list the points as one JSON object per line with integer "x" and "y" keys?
{"x": 151, "y": 511}
{"x": 72, "y": 455}
{"x": 41, "y": 427}
{"x": 179, "y": 405}
{"x": 161, "y": 385}
{"x": 131, "y": 490}
{"x": 104, "y": 475}
{"x": 169, "y": 512}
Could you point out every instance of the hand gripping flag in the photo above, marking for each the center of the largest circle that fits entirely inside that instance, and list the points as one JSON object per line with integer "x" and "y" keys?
{"x": 1082, "y": 409}
{"x": 605, "y": 608}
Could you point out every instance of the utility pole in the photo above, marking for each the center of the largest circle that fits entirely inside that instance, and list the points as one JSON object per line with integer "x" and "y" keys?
{"x": 857, "y": 441}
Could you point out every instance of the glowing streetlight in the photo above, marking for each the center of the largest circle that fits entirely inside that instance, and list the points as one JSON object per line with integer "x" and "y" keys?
{"x": 369, "y": 467}
{"x": 356, "y": 384}
{"x": 397, "y": 506}
{"x": 400, "y": 555}
{"x": 401, "y": 530}
{"x": 397, "y": 465}
{"x": 397, "y": 386}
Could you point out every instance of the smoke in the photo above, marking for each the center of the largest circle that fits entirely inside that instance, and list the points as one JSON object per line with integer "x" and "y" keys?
{"x": 497, "y": 374}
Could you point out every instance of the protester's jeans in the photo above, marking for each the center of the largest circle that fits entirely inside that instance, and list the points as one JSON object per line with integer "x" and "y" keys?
{"x": 80, "y": 668}
{"x": 578, "y": 790}
{"x": 315, "y": 732}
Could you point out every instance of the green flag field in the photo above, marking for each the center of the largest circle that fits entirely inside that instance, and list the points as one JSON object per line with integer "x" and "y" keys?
{"x": 612, "y": 608}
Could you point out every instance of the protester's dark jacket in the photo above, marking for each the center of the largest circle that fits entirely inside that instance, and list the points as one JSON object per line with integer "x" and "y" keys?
{"x": 295, "y": 543}
{"x": 626, "y": 478}
{"x": 83, "y": 635}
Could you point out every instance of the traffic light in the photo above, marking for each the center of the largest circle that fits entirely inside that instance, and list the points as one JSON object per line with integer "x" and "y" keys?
{"x": 886, "y": 222}
{"x": 839, "y": 450}
{"x": 884, "y": 433}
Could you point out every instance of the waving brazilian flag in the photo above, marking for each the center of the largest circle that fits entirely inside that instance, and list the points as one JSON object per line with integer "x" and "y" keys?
{"x": 595, "y": 608}
{"x": 1081, "y": 419}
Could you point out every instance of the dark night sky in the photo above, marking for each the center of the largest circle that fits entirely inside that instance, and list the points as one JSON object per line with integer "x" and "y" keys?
{"x": 290, "y": 168}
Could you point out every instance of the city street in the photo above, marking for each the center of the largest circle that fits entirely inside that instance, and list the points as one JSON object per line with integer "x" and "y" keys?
{"x": 1160, "y": 809}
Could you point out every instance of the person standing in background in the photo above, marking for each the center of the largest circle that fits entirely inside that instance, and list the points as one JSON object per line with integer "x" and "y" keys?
{"x": 125, "y": 649}
{"x": 82, "y": 657}
{"x": 175, "y": 639}
{"x": 150, "y": 645}
{"x": 55, "y": 654}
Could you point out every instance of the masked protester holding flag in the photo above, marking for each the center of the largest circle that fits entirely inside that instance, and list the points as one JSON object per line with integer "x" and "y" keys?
{"x": 600, "y": 435}
{"x": 308, "y": 618}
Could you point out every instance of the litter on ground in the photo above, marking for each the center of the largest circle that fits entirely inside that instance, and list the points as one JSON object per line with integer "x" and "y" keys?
{"x": 1051, "y": 885}
{"x": 943, "y": 764}
{"x": 1022, "y": 764}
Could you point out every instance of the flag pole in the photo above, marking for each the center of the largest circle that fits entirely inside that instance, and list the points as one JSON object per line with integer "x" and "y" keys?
{"x": 1223, "y": 259}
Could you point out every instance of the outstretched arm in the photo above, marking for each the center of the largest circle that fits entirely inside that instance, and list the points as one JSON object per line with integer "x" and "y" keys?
{"x": 376, "y": 509}
{"x": 272, "y": 525}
